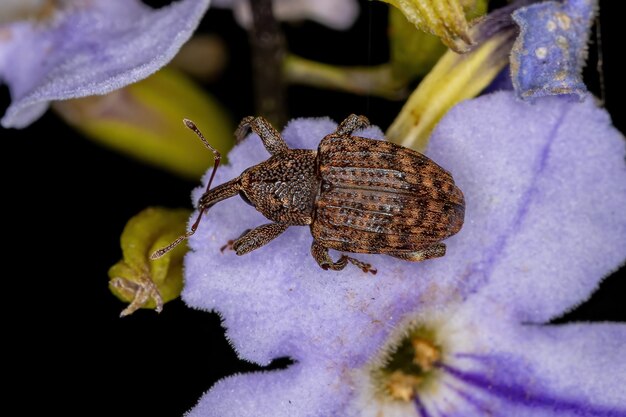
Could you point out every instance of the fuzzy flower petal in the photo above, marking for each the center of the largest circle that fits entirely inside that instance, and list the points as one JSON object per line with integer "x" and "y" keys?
{"x": 295, "y": 391}
{"x": 89, "y": 48}
{"x": 566, "y": 364}
{"x": 552, "y": 173}
{"x": 527, "y": 176}
{"x": 503, "y": 368}
{"x": 507, "y": 368}
{"x": 550, "y": 52}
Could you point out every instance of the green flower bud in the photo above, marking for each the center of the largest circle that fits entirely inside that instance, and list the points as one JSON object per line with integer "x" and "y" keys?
{"x": 140, "y": 281}
{"x": 143, "y": 120}
{"x": 443, "y": 18}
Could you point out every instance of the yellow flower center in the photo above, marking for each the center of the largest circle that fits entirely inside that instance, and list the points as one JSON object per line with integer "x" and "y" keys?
{"x": 408, "y": 366}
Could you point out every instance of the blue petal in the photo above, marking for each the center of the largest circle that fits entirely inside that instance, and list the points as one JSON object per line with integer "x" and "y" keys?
{"x": 88, "y": 50}
{"x": 527, "y": 370}
{"x": 550, "y": 52}
{"x": 300, "y": 391}
{"x": 545, "y": 186}
{"x": 539, "y": 241}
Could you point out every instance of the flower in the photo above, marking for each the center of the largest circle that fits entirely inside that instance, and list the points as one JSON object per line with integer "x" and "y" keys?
{"x": 446, "y": 20}
{"x": 88, "y": 48}
{"x": 558, "y": 35}
{"x": 143, "y": 120}
{"x": 454, "y": 78}
{"x": 336, "y": 14}
{"x": 137, "y": 280}
{"x": 545, "y": 186}
{"x": 549, "y": 55}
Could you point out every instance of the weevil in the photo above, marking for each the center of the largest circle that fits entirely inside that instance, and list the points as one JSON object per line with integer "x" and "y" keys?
{"x": 357, "y": 195}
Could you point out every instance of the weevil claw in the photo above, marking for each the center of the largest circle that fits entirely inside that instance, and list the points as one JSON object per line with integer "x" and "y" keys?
{"x": 228, "y": 245}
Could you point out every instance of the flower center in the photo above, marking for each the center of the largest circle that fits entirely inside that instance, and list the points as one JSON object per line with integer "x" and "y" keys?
{"x": 408, "y": 366}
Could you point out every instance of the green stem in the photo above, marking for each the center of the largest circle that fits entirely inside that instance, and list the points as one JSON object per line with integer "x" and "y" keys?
{"x": 376, "y": 80}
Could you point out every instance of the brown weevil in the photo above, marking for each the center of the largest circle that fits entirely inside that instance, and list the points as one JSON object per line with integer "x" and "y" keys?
{"x": 357, "y": 195}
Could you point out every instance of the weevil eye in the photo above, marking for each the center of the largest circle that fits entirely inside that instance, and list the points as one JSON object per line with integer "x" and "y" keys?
{"x": 245, "y": 198}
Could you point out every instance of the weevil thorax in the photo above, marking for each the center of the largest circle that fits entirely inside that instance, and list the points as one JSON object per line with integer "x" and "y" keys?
{"x": 284, "y": 187}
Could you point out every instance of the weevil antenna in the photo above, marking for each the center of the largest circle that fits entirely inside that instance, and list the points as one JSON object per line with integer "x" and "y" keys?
{"x": 216, "y": 163}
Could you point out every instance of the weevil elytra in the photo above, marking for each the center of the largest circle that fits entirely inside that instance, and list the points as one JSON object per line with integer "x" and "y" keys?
{"x": 357, "y": 195}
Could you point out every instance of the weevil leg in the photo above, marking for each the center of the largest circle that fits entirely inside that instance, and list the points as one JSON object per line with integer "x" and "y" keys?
{"x": 273, "y": 142}
{"x": 435, "y": 251}
{"x": 364, "y": 266}
{"x": 320, "y": 254}
{"x": 352, "y": 123}
{"x": 257, "y": 237}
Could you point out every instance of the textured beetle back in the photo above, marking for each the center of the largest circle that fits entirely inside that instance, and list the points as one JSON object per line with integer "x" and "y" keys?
{"x": 378, "y": 197}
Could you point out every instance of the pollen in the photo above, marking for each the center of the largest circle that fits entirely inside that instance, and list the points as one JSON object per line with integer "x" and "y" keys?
{"x": 564, "y": 21}
{"x": 426, "y": 354}
{"x": 408, "y": 366}
{"x": 541, "y": 52}
{"x": 403, "y": 387}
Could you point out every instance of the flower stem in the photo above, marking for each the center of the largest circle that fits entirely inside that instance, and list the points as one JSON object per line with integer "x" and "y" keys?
{"x": 268, "y": 53}
{"x": 378, "y": 80}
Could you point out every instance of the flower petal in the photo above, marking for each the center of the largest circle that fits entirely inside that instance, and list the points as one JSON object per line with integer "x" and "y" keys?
{"x": 547, "y": 247}
{"x": 453, "y": 79}
{"x": 336, "y": 14}
{"x": 545, "y": 186}
{"x": 88, "y": 50}
{"x": 445, "y": 19}
{"x": 295, "y": 392}
{"x": 283, "y": 304}
{"x": 550, "y": 52}
{"x": 143, "y": 120}
{"x": 522, "y": 370}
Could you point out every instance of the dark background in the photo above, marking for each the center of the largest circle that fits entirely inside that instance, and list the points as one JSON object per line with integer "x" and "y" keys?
{"x": 63, "y": 230}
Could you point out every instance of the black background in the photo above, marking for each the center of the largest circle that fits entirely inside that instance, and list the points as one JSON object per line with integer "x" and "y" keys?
{"x": 72, "y": 352}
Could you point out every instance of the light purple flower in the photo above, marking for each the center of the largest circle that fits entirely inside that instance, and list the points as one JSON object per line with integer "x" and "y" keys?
{"x": 336, "y": 14}
{"x": 88, "y": 48}
{"x": 550, "y": 52}
{"x": 545, "y": 186}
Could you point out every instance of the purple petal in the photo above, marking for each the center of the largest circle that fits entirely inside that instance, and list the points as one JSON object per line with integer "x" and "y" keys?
{"x": 570, "y": 370}
{"x": 295, "y": 392}
{"x": 336, "y": 14}
{"x": 276, "y": 301}
{"x": 552, "y": 180}
{"x": 545, "y": 186}
{"x": 550, "y": 52}
{"x": 87, "y": 50}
